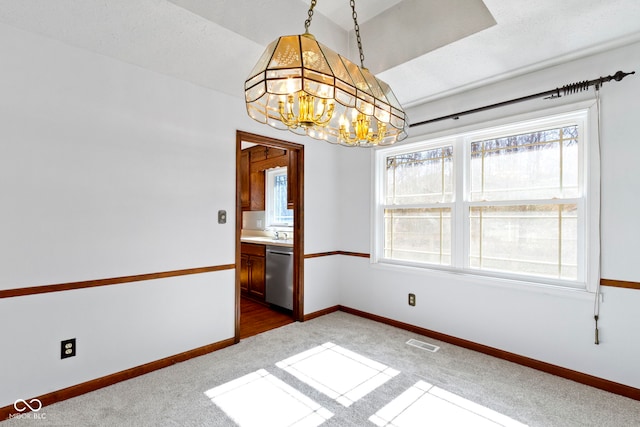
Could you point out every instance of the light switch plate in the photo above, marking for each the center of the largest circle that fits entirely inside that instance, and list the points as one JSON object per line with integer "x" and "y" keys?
{"x": 222, "y": 217}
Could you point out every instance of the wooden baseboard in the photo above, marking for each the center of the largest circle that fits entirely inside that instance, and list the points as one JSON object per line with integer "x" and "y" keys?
{"x": 321, "y": 312}
{"x": 86, "y": 387}
{"x": 590, "y": 380}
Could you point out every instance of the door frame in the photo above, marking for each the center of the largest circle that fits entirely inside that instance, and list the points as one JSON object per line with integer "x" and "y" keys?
{"x": 298, "y": 220}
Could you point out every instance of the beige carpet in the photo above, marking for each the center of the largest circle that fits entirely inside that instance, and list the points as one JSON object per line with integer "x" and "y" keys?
{"x": 452, "y": 386}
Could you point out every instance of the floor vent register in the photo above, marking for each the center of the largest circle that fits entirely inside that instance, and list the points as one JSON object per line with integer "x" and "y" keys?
{"x": 423, "y": 345}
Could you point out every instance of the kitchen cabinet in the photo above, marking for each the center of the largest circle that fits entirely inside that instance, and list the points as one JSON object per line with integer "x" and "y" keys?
{"x": 260, "y": 153}
{"x": 245, "y": 174}
{"x": 252, "y": 271}
{"x": 251, "y": 180}
{"x": 253, "y": 162}
{"x": 276, "y": 152}
{"x": 273, "y": 159}
{"x": 256, "y": 191}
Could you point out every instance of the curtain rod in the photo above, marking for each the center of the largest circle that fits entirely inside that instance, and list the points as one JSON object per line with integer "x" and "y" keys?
{"x": 549, "y": 94}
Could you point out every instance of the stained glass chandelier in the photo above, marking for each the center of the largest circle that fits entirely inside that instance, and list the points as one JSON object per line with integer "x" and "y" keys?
{"x": 301, "y": 85}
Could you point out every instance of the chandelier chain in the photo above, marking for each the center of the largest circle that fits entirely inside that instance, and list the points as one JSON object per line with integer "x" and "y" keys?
{"x": 307, "y": 22}
{"x": 357, "y": 29}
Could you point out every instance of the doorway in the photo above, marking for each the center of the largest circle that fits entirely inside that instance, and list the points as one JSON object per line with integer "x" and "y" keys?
{"x": 244, "y": 202}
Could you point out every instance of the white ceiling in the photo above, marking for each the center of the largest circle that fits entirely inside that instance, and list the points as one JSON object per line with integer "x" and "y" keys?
{"x": 339, "y": 11}
{"x": 424, "y": 49}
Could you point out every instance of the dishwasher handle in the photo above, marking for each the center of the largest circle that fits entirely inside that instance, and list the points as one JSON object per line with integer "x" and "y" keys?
{"x": 280, "y": 253}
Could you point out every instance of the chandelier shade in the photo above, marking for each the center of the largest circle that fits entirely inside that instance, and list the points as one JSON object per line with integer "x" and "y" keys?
{"x": 303, "y": 86}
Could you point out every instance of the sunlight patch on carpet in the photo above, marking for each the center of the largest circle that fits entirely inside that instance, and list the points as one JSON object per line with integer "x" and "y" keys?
{"x": 341, "y": 374}
{"x": 260, "y": 399}
{"x": 425, "y": 404}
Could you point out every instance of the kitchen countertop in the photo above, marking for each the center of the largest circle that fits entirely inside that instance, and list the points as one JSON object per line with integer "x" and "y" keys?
{"x": 260, "y": 240}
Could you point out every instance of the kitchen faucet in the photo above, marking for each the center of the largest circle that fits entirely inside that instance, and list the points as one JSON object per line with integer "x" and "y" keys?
{"x": 278, "y": 233}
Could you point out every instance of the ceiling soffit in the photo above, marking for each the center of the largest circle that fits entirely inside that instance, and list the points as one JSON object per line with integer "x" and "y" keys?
{"x": 413, "y": 28}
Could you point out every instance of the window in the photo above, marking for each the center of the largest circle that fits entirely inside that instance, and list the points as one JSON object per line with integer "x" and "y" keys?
{"x": 419, "y": 201}
{"x": 508, "y": 201}
{"x": 277, "y": 213}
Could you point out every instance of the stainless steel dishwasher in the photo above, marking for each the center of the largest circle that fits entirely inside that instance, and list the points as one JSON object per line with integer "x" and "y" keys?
{"x": 279, "y": 276}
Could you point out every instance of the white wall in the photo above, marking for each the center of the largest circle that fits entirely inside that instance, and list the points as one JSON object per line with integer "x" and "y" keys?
{"x": 116, "y": 328}
{"x": 110, "y": 170}
{"x": 321, "y": 283}
{"x": 555, "y": 327}
{"x": 95, "y": 150}
{"x": 321, "y": 184}
{"x": 322, "y": 225}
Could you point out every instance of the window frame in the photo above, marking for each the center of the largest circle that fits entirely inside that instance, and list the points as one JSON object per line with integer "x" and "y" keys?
{"x": 584, "y": 114}
{"x": 269, "y": 182}
{"x": 428, "y": 145}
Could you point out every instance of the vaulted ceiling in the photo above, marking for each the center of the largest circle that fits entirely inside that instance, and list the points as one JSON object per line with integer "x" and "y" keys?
{"x": 424, "y": 49}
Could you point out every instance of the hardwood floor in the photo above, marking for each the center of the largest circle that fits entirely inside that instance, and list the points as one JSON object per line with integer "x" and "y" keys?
{"x": 256, "y": 318}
